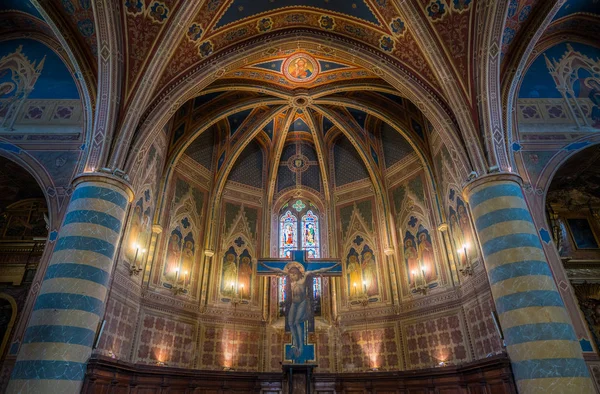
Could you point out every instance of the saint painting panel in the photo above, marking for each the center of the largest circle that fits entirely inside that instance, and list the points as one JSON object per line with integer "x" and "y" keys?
{"x": 419, "y": 256}
{"x": 237, "y": 273}
{"x": 180, "y": 257}
{"x": 362, "y": 272}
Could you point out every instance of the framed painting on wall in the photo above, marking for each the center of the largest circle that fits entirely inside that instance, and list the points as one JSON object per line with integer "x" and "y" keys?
{"x": 583, "y": 234}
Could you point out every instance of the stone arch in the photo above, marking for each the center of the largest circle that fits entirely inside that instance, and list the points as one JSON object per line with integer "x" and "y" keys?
{"x": 79, "y": 64}
{"x": 9, "y": 328}
{"x": 43, "y": 179}
{"x": 167, "y": 103}
{"x": 514, "y": 73}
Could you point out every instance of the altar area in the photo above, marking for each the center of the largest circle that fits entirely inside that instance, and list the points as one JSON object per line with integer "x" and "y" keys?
{"x": 323, "y": 197}
{"x": 493, "y": 375}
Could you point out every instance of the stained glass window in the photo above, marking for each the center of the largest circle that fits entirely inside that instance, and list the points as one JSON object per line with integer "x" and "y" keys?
{"x": 282, "y": 281}
{"x": 317, "y": 295}
{"x": 288, "y": 234}
{"x": 308, "y": 228}
{"x": 310, "y": 234}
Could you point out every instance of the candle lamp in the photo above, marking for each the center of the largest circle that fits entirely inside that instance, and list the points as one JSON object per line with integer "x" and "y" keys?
{"x": 177, "y": 289}
{"x": 467, "y": 270}
{"x": 134, "y": 269}
{"x": 420, "y": 288}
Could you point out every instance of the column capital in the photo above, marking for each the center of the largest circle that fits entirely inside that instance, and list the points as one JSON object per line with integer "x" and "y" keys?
{"x": 157, "y": 229}
{"x": 490, "y": 178}
{"x": 443, "y": 227}
{"x": 102, "y": 177}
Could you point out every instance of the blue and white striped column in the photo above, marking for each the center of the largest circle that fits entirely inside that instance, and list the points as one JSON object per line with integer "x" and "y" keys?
{"x": 59, "y": 336}
{"x": 540, "y": 340}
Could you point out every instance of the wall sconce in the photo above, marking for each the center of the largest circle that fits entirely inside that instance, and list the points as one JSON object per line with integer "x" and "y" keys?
{"x": 420, "y": 288}
{"x": 179, "y": 289}
{"x": 467, "y": 270}
{"x": 134, "y": 269}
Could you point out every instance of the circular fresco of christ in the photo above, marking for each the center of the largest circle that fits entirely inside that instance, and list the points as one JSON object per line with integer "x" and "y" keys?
{"x": 300, "y": 68}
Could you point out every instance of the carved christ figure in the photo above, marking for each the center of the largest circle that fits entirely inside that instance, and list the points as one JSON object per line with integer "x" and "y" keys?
{"x": 298, "y": 299}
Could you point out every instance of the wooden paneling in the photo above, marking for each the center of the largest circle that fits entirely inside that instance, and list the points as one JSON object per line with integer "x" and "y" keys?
{"x": 489, "y": 376}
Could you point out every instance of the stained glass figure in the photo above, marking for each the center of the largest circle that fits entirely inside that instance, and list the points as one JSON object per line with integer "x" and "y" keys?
{"x": 282, "y": 283}
{"x": 317, "y": 295}
{"x": 310, "y": 234}
{"x": 288, "y": 234}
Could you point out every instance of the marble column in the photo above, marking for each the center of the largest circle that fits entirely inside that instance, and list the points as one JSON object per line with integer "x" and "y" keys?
{"x": 70, "y": 306}
{"x": 540, "y": 340}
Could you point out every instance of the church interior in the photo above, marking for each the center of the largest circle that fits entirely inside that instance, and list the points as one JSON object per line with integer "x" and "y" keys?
{"x": 323, "y": 196}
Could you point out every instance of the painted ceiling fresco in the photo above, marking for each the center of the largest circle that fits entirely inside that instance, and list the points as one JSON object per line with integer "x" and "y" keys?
{"x": 572, "y": 7}
{"x": 325, "y": 49}
{"x": 539, "y": 82}
{"x": 21, "y": 15}
{"x": 20, "y": 5}
{"x": 242, "y": 9}
{"x": 302, "y": 69}
{"x": 324, "y": 135}
{"x": 221, "y": 24}
{"x": 519, "y": 12}
{"x": 562, "y": 87}
{"x": 54, "y": 81}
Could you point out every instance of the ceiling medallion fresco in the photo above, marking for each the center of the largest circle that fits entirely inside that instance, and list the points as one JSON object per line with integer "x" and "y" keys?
{"x": 298, "y": 163}
{"x": 300, "y": 68}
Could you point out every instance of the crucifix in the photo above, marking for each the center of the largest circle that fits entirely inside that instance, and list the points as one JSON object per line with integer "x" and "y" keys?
{"x": 298, "y": 307}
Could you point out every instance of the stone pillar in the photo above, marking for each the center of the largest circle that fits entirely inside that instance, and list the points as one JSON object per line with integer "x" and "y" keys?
{"x": 151, "y": 255}
{"x": 443, "y": 229}
{"x": 67, "y": 312}
{"x": 540, "y": 340}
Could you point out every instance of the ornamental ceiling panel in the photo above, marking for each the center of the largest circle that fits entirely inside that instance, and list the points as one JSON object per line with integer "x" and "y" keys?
{"x": 572, "y": 7}
{"x": 22, "y": 15}
{"x": 519, "y": 12}
{"x": 221, "y": 24}
{"x": 452, "y": 22}
{"x": 144, "y": 22}
{"x": 16, "y": 20}
{"x": 80, "y": 18}
{"x": 576, "y": 17}
{"x": 243, "y": 9}
{"x": 300, "y": 69}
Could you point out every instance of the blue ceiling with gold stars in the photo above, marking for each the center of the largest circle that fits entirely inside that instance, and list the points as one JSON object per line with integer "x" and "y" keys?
{"x": 578, "y": 6}
{"x": 241, "y": 9}
{"x": 20, "y": 5}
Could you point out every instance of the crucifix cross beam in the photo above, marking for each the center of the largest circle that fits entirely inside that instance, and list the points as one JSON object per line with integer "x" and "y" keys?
{"x": 298, "y": 308}
{"x": 322, "y": 267}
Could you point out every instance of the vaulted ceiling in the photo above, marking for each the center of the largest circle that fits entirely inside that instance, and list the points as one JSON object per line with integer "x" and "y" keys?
{"x": 152, "y": 53}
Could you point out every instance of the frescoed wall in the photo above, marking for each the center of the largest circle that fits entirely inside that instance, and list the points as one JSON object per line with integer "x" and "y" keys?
{"x": 236, "y": 277}
{"x": 53, "y": 79}
{"x": 178, "y": 265}
{"x": 461, "y": 233}
{"x": 333, "y": 114}
{"x": 420, "y": 263}
{"x": 561, "y": 90}
{"x": 363, "y": 267}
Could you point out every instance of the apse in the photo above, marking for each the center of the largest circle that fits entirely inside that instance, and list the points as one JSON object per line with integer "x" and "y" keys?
{"x": 243, "y": 196}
